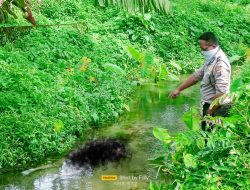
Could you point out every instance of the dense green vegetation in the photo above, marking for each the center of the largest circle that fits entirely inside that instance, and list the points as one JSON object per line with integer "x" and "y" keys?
{"x": 223, "y": 161}
{"x": 55, "y": 82}
{"x": 7, "y": 7}
{"x": 58, "y": 81}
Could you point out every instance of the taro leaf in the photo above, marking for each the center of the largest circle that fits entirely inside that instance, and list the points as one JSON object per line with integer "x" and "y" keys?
{"x": 134, "y": 53}
{"x": 162, "y": 135}
{"x": 189, "y": 160}
{"x": 192, "y": 119}
{"x": 163, "y": 72}
{"x": 147, "y": 62}
{"x": 149, "y": 59}
{"x": 114, "y": 68}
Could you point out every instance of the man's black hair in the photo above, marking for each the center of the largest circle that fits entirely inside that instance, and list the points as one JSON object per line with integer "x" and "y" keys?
{"x": 209, "y": 37}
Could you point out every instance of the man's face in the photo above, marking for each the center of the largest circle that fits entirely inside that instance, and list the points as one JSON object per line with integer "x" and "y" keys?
{"x": 205, "y": 46}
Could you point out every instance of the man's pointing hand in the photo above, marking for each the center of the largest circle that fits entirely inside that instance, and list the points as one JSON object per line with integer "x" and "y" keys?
{"x": 175, "y": 93}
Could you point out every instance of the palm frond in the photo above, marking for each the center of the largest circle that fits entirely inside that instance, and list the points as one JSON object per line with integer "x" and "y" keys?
{"x": 6, "y": 9}
{"x": 138, "y": 5}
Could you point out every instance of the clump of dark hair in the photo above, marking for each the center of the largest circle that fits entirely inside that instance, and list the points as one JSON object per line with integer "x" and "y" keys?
{"x": 98, "y": 152}
{"x": 210, "y": 37}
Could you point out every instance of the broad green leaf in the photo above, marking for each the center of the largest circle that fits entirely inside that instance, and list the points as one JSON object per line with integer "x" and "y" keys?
{"x": 189, "y": 160}
{"x": 162, "y": 135}
{"x": 149, "y": 59}
{"x": 192, "y": 119}
{"x": 162, "y": 72}
{"x": 134, "y": 53}
{"x": 144, "y": 71}
{"x": 114, "y": 68}
{"x": 146, "y": 61}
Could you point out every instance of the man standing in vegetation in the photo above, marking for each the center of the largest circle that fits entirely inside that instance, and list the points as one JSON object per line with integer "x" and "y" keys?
{"x": 215, "y": 77}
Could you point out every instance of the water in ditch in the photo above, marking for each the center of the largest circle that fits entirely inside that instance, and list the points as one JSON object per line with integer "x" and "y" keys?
{"x": 150, "y": 107}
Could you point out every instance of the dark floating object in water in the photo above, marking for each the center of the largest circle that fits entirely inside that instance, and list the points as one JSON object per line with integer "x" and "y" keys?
{"x": 98, "y": 152}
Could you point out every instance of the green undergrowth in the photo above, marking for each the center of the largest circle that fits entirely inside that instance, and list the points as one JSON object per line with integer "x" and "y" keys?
{"x": 55, "y": 84}
{"x": 210, "y": 160}
{"x": 51, "y": 93}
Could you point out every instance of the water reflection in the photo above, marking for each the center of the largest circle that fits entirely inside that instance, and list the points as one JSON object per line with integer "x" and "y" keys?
{"x": 68, "y": 177}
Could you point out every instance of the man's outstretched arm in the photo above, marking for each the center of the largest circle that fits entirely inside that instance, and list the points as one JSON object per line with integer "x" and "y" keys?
{"x": 190, "y": 81}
